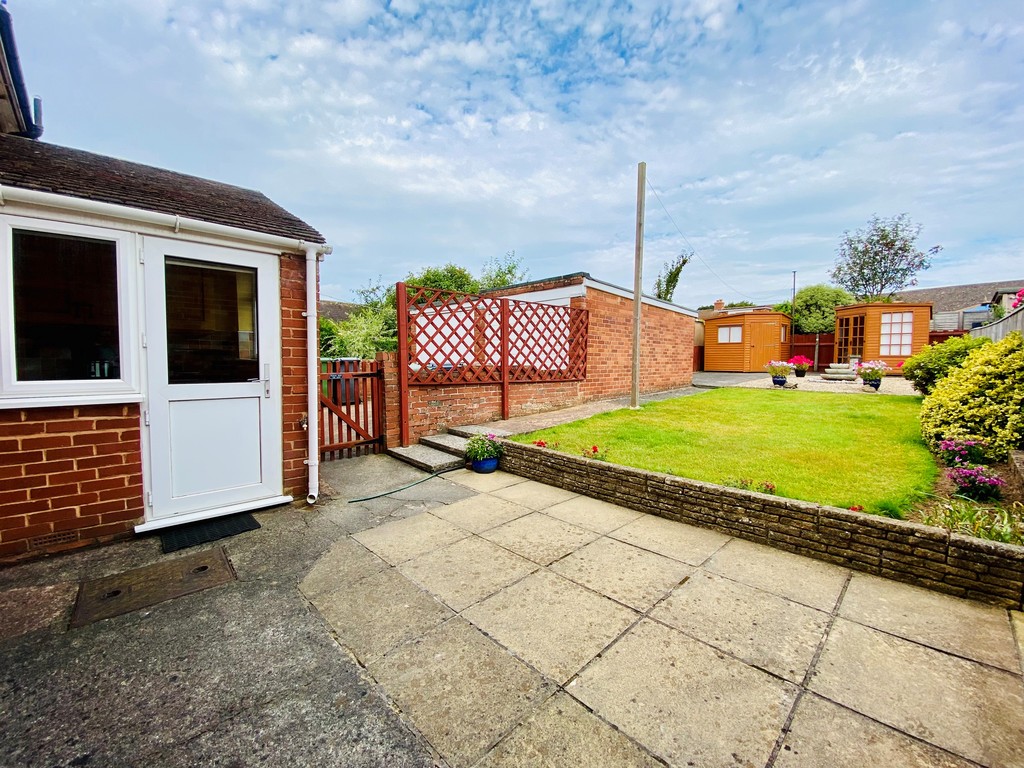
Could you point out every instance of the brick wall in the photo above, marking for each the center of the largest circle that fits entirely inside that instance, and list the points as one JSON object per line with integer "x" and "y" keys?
{"x": 70, "y": 476}
{"x": 666, "y": 362}
{"x": 928, "y": 557}
{"x": 293, "y": 369}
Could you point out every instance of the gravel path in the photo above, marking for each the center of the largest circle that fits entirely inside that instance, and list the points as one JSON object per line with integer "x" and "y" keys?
{"x": 891, "y": 385}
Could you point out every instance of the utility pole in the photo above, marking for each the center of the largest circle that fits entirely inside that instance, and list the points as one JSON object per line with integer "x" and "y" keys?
{"x": 638, "y": 274}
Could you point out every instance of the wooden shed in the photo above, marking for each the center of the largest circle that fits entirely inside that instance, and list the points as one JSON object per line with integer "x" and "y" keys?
{"x": 890, "y": 332}
{"x": 746, "y": 341}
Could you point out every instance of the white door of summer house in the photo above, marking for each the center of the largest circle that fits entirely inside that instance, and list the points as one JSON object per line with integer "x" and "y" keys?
{"x": 213, "y": 355}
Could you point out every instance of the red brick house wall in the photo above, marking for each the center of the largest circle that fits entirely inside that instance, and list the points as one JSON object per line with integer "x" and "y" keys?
{"x": 293, "y": 370}
{"x": 666, "y": 362}
{"x": 70, "y": 476}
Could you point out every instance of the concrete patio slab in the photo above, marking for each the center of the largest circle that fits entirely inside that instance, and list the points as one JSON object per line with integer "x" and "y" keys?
{"x": 483, "y": 483}
{"x": 551, "y": 623}
{"x": 480, "y": 513}
{"x": 806, "y": 581}
{"x": 627, "y": 574}
{"x": 964, "y": 707}
{"x": 593, "y": 514}
{"x": 467, "y": 571}
{"x": 687, "y": 703}
{"x": 671, "y": 539}
{"x": 764, "y": 630}
{"x": 461, "y": 689}
{"x": 539, "y": 537}
{"x": 533, "y": 494}
{"x": 346, "y": 561}
{"x": 27, "y": 609}
{"x": 403, "y": 540}
{"x": 964, "y": 627}
{"x": 825, "y": 735}
{"x": 563, "y": 734}
{"x": 373, "y": 615}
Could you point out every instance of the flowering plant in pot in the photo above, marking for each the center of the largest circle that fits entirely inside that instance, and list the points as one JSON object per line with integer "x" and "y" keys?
{"x": 779, "y": 370}
{"x": 872, "y": 372}
{"x": 483, "y": 452}
{"x": 800, "y": 365}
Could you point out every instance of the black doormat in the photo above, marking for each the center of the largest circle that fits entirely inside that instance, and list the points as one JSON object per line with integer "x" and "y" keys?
{"x": 151, "y": 584}
{"x": 182, "y": 536}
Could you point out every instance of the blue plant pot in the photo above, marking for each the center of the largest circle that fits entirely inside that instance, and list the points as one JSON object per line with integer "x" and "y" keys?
{"x": 874, "y": 383}
{"x": 779, "y": 381}
{"x": 485, "y": 466}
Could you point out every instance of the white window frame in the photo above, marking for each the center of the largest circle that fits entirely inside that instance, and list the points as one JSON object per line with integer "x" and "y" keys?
{"x": 127, "y": 388}
{"x": 733, "y": 334}
{"x": 896, "y": 337}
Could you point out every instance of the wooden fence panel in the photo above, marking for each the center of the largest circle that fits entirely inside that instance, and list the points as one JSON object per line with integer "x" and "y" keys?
{"x": 351, "y": 408}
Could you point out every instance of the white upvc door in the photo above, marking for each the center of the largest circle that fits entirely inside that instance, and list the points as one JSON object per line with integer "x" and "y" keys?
{"x": 213, "y": 405}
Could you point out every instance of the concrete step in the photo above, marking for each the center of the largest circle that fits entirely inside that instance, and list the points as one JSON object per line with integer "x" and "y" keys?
{"x": 477, "y": 429}
{"x": 839, "y": 376}
{"x": 453, "y": 444}
{"x": 426, "y": 458}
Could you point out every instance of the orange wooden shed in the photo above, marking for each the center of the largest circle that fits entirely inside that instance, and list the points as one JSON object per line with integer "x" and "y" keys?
{"x": 746, "y": 341}
{"x": 890, "y": 332}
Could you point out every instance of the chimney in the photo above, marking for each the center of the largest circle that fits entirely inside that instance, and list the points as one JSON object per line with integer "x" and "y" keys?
{"x": 719, "y": 305}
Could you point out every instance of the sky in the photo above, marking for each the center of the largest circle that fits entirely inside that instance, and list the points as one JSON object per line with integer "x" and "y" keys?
{"x": 417, "y": 133}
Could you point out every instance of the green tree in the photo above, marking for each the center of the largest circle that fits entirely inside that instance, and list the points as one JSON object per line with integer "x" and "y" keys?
{"x": 815, "y": 308}
{"x": 330, "y": 345}
{"x": 668, "y": 278}
{"x": 503, "y": 271}
{"x": 880, "y": 261}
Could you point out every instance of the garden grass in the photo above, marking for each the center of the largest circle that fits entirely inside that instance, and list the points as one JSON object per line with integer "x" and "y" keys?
{"x": 833, "y": 449}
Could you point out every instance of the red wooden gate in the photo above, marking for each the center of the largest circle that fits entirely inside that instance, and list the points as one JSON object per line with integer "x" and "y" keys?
{"x": 351, "y": 408}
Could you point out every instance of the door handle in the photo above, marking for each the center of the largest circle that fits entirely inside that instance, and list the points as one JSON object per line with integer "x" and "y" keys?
{"x": 265, "y": 379}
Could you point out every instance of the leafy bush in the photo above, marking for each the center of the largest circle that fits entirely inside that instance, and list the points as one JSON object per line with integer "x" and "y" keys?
{"x": 961, "y": 452}
{"x": 975, "y": 481}
{"x": 935, "y": 361}
{"x": 981, "y": 400}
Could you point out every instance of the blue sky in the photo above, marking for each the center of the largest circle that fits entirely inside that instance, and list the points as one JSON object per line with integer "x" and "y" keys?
{"x": 416, "y": 133}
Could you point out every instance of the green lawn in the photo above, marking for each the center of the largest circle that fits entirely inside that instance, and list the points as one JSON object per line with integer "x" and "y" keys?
{"x": 841, "y": 450}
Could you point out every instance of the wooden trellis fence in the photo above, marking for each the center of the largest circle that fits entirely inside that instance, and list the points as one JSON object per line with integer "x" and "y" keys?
{"x": 447, "y": 338}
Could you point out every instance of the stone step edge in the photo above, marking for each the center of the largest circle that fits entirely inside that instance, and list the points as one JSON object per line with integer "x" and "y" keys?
{"x": 426, "y": 458}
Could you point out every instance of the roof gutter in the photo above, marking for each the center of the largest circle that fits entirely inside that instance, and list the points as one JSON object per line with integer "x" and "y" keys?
{"x": 12, "y": 64}
{"x": 170, "y": 221}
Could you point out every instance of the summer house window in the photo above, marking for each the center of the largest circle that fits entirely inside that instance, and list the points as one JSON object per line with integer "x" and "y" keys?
{"x": 730, "y": 334}
{"x": 897, "y": 332}
{"x": 64, "y": 311}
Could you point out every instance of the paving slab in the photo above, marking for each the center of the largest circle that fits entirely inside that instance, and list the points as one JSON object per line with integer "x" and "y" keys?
{"x": 684, "y": 701}
{"x": 551, "y": 623}
{"x": 825, "y": 735}
{"x": 28, "y": 609}
{"x": 533, "y": 494}
{"x": 539, "y": 537}
{"x": 964, "y": 627}
{"x": 345, "y": 562}
{"x": 801, "y": 579}
{"x": 461, "y": 689}
{"x": 467, "y": 571}
{"x": 593, "y": 514}
{"x": 962, "y": 706}
{"x": 483, "y": 483}
{"x": 765, "y": 630}
{"x": 626, "y": 574}
{"x": 373, "y": 615}
{"x": 671, "y": 539}
{"x": 403, "y": 540}
{"x": 480, "y": 512}
{"x": 563, "y": 734}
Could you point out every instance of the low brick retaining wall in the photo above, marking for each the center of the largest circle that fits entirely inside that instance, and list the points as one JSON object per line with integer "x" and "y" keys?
{"x": 917, "y": 554}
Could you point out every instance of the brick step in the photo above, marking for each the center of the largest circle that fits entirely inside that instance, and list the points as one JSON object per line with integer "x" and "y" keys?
{"x": 426, "y": 458}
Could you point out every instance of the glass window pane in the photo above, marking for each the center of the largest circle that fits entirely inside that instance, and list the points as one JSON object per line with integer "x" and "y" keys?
{"x": 211, "y": 323}
{"x": 65, "y": 307}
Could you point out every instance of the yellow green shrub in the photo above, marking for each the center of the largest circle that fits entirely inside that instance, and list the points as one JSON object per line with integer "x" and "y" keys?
{"x": 981, "y": 400}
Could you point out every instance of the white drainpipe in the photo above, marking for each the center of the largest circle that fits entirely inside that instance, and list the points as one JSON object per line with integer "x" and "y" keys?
{"x": 314, "y": 253}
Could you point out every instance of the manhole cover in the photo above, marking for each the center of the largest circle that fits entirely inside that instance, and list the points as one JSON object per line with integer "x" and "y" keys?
{"x": 149, "y": 585}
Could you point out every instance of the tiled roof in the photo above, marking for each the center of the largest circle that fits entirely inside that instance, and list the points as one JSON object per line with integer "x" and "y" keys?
{"x": 953, "y": 298}
{"x": 48, "y": 168}
{"x": 337, "y": 310}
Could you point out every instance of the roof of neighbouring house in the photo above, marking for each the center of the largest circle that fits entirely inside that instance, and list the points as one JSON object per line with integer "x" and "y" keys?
{"x": 584, "y": 279}
{"x": 45, "y": 167}
{"x": 337, "y": 310}
{"x": 954, "y": 298}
